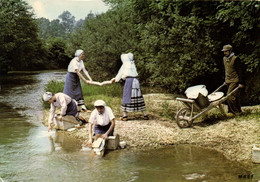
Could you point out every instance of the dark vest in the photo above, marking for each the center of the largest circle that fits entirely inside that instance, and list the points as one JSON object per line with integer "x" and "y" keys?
{"x": 231, "y": 73}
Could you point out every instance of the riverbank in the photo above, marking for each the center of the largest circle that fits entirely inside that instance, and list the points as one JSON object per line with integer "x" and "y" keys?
{"x": 232, "y": 136}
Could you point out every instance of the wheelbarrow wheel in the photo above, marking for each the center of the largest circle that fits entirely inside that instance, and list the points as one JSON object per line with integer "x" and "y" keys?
{"x": 183, "y": 118}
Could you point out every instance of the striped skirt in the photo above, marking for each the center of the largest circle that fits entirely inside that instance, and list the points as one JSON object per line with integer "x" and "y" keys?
{"x": 73, "y": 88}
{"x": 133, "y": 100}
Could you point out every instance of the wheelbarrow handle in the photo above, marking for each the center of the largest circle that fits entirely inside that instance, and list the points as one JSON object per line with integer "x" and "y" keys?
{"x": 220, "y": 87}
{"x": 233, "y": 91}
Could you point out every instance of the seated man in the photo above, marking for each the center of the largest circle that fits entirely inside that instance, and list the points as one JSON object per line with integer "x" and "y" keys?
{"x": 103, "y": 119}
{"x": 60, "y": 100}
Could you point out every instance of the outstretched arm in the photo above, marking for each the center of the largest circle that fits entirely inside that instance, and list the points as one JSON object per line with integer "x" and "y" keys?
{"x": 82, "y": 77}
{"x": 86, "y": 73}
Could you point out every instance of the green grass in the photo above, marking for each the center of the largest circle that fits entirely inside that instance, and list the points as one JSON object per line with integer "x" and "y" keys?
{"x": 111, "y": 94}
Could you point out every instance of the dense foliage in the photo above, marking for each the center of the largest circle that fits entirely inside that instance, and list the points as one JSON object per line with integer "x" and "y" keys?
{"x": 20, "y": 46}
{"x": 176, "y": 43}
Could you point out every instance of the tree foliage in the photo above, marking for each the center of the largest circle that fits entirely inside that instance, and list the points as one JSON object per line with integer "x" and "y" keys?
{"x": 20, "y": 46}
{"x": 176, "y": 43}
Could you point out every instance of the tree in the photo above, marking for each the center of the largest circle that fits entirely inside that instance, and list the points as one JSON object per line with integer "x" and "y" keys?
{"x": 49, "y": 29}
{"x": 56, "y": 53}
{"x": 68, "y": 21}
{"x": 20, "y": 45}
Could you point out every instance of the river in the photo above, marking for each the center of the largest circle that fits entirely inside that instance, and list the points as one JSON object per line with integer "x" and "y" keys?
{"x": 29, "y": 153}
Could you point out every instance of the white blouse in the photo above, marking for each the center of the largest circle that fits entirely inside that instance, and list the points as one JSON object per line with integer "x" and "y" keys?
{"x": 75, "y": 63}
{"x": 101, "y": 119}
{"x": 62, "y": 100}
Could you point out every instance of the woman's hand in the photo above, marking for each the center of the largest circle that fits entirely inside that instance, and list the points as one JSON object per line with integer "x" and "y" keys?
{"x": 59, "y": 117}
{"x": 104, "y": 136}
{"x": 113, "y": 80}
{"x": 90, "y": 142}
{"x": 49, "y": 128}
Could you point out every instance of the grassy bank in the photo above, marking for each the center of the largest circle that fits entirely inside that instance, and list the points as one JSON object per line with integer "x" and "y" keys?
{"x": 157, "y": 105}
{"x": 112, "y": 95}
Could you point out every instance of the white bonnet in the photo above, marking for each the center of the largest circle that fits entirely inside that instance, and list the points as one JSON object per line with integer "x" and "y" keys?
{"x": 131, "y": 56}
{"x": 99, "y": 103}
{"x": 78, "y": 52}
{"x": 47, "y": 96}
{"x": 124, "y": 57}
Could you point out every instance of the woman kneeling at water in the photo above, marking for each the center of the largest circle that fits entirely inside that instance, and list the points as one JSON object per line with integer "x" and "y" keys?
{"x": 68, "y": 106}
{"x": 103, "y": 119}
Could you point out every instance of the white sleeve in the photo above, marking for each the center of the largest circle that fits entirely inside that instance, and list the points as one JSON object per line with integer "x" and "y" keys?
{"x": 74, "y": 64}
{"x": 110, "y": 113}
{"x": 63, "y": 104}
{"x": 52, "y": 113}
{"x": 92, "y": 118}
{"x": 120, "y": 73}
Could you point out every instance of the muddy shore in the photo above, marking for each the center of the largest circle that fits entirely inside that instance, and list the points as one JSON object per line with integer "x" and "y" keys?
{"x": 232, "y": 136}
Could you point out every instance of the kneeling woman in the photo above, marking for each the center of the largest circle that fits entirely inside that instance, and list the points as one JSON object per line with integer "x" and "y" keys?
{"x": 103, "y": 119}
{"x": 60, "y": 100}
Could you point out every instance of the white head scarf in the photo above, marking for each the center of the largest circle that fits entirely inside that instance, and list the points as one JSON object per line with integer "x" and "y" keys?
{"x": 128, "y": 68}
{"x": 47, "y": 96}
{"x": 131, "y": 57}
{"x": 78, "y": 52}
{"x": 99, "y": 103}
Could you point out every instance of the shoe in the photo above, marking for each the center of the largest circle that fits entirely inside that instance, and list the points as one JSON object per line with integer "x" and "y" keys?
{"x": 146, "y": 117}
{"x": 123, "y": 118}
{"x": 83, "y": 120}
{"x": 84, "y": 110}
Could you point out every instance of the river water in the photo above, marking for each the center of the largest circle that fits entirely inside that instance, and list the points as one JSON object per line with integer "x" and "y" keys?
{"x": 29, "y": 153}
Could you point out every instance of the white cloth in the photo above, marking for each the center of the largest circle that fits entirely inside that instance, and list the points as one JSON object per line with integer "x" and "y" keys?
{"x": 230, "y": 56}
{"x": 62, "y": 100}
{"x": 78, "y": 52}
{"x": 101, "y": 119}
{"x": 193, "y": 92}
{"x": 47, "y": 96}
{"x": 75, "y": 63}
{"x": 215, "y": 96}
{"x": 128, "y": 69}
{"x": 99, "y": 103}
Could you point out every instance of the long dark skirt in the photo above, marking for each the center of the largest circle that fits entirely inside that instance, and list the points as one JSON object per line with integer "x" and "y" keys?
{"x": 73, "y": 88}
{"x": 136, "y": 102}
{"x": 72, "y": 109}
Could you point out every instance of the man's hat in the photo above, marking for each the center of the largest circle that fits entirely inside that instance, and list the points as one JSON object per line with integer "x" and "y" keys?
{"x": 227, "y": 47}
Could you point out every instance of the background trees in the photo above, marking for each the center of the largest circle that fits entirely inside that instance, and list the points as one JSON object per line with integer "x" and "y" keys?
{"x": 20, "y": 47}
{"x": 176, "y": 44}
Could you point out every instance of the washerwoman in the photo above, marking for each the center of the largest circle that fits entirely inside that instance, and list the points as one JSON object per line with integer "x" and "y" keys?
{"x": 59, "y": 100}
{"x": 133, "y": 100}
{"x": 72, "y": 82}
{"x": 103, "y": 119}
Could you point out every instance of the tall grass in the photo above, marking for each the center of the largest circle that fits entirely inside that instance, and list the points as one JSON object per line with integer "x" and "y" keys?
{"x": 111, "y": 94}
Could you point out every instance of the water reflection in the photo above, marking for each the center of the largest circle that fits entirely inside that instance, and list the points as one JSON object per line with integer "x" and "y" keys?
{"x": 61, "y": 140}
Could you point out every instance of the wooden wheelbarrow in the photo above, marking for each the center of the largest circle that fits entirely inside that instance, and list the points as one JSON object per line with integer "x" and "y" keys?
{"x": 194, "y": 108}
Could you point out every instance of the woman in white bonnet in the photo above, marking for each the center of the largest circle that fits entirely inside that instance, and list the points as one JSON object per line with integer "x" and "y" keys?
{"x": 133, "y": 100}
{"x": 72, "y": 85}
{"x": 60, "y": 100}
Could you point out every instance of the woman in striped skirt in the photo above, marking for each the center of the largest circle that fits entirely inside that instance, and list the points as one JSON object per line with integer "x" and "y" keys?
{"x": 72, "y": 85}
{"x": 133, "y": 100}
